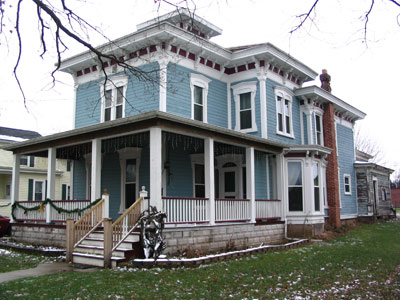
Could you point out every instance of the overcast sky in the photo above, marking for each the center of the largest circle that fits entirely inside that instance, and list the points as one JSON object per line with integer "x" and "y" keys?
{"x": 365, "y": 76}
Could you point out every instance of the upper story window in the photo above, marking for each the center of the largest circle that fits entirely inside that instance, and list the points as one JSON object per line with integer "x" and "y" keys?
{"x": 319, "y": 136}
{"x": 284, "y": 122}
{"x": 199, "y": 91}
{"x": 347, "y": 184}
{"x": 28, "y": 161}
{"x": 113, "y": 95}
{"x": 244, "y": 94}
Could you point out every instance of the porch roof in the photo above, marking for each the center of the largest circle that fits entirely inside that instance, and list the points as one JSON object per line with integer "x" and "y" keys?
{"x": 140, "y": 123}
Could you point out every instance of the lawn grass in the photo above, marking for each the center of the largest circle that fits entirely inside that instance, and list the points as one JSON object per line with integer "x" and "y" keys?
{"x": 364, "y": 264}
{"x": 11, "y": 260}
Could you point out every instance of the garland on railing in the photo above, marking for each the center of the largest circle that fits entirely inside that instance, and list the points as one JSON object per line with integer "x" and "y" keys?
{"x": 40, "y": 207}
{"x": 5, "y": 205}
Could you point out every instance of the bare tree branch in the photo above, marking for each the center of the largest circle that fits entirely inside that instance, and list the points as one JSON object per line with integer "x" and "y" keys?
{"x": 304, "y": 17}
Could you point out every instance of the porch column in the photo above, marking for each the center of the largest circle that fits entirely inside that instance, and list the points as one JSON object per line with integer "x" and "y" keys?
{"x": 156, "y": 167}
{"x": 250, "y": 182}
{"x": 95, "y": 192}
{"x": 280, "y": 183}
{"x": 51, "y": 180}
{"x": 15, "y": 181}
{"x": 209, "y": 177}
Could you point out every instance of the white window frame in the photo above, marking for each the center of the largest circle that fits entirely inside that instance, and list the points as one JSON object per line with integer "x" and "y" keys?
{"x": 34, "y": 190}
{"x": 7, "y": 195}
{"x": 319, "y": 185}
{"x": 124, "y": 155}
{"x": 286, "y": 95}
{"x": 322, "y": 129}
{"x": 202, "y": 82}
{"x": 113, "y": 84}
{"x": 344, "y": 184}
{"x": 243, "y": 88}
{"x": 294, "y": 212}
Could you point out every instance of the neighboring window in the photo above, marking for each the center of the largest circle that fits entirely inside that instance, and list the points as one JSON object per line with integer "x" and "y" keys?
{"x": 199, "y": 91}
{"x": 384, "y": 194}
{"x": 65, "y": 192}
{"x": 69, "y": 163}
{"x": 295, "y": 186}
{"x": 317, "y": 197}
{"x": 244, "y": 94}
{"x": 130, "y": 182}
{"x": 199, "y": 181}
{"x": 284, "y": 111}
{"x": 28, "y": 161}
{"x": 38, "y": 191}
{"x": 347, "y": 184}
{"x": 318, "y": 130}
{"x": 8, "y": 191}
{"x": 113, "y": 98}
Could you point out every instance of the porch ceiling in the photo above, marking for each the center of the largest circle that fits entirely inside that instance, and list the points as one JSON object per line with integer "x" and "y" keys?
{"x": 140, "y": 123}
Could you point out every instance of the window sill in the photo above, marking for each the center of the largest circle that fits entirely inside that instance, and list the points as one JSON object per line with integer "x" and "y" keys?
{"x": 291, "y": 136}
{"x": 248, "y": 130}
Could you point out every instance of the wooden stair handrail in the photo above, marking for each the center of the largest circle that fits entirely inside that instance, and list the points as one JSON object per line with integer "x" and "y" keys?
{"x": 89, "y": 212}
{"x": 118, "y": 222}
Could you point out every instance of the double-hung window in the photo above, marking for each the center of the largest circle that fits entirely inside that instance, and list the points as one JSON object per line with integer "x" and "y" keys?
{"x": 318, "y": 130}
{"x": 113, "y": 98}
{"x": 244, "y": 95}
{"x": 317, "y": 193}
{"x": 295, "y": 185}
{"x": 38, "y": 191}
{"x": 284, "y": 122}
{"x": 199, "y": 91}
{"x": 347, "y": 184}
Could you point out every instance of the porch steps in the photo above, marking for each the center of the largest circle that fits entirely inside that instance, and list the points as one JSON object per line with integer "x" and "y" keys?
{"x": 91, "y": 250}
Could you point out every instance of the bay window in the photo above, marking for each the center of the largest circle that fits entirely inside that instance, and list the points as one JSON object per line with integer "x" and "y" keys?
{"x": 317, "y": 190}
{"x": 295, "y": 185}
{"x": 319, "y": 138}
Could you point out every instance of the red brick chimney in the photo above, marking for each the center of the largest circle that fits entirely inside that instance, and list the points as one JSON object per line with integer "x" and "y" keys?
{"x": 325, "y": 80}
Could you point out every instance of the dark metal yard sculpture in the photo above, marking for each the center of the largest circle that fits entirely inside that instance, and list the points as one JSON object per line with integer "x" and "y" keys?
{"x": 152, "y": 225}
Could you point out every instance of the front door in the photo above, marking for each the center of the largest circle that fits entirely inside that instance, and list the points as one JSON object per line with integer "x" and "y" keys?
{"x": 130, "y": 182}
{"x": 229, "y": 181}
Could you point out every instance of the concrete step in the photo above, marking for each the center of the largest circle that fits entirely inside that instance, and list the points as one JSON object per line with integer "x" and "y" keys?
{"x": 119, "y": 252}
{"x": 94, "y": 260}
{"x": 100, "y": 243}
{"x": 133, "y": 237}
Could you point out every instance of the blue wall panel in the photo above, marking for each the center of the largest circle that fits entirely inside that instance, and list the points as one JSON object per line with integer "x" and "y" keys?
{"x": 271, "y": 117}
{"x": 345, "y": 144}
{"x": 179, "y": 96}
{"x": 305, "y": 129}
{"x": 111, "y": 180}
{"x": 260, "y": 166}
{"x": 141, "y": 96}
{"x": 79, "y": 180}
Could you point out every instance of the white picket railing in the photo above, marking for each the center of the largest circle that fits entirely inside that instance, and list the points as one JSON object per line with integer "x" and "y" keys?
{"x": 68, "y": 205}
{"x": 267, "y": 209}
{"x": 232, "y": 210}
{"x": 186, "y": 210}
{"x": 39, "y": 216}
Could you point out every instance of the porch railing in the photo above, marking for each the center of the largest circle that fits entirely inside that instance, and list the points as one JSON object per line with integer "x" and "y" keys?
{"x": 88, "y": 223}
{"x": 232, "y": 210}
{"x": 56, "y": 216}
{"x": 268, "y": 209}
{"x": 126, "y": 223}
{"x": 186, "y": 210}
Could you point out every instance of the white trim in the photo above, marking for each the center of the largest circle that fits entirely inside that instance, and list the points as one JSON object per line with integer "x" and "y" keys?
{"x": 242, "y": 88}
{"x": 286, "y": 95}
{"x": 113, "y": 84}
{"x": 124, "y": 155}
{"x": 34, "y": 190}
{"x": 163, "y": 85}
{"x": 345, "y": 217}
{"x": 346, "y": 175}
{"x": 302, "y": 162}
{"x": 229, "y": 101}
{"x": 320, "y": 115}
{"x": 263, "y": 105}
{"x": 202, "y": 82}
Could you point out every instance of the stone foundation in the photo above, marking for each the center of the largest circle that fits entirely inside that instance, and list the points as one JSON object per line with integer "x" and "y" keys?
{"x": 200, "y": 240}
{"x": 39, "y": 234}
{"x": 304, "y": 230}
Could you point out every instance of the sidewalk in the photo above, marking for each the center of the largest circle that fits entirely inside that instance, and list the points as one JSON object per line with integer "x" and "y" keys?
{"x": 42, "y": 269}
